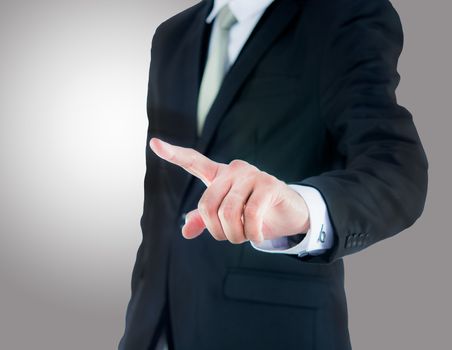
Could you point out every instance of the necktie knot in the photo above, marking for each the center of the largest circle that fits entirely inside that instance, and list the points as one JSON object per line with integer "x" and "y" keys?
{"x": 226, "y": 18}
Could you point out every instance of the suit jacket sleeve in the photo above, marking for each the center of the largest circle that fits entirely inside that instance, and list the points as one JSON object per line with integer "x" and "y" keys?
{"x": 382, "y": 186}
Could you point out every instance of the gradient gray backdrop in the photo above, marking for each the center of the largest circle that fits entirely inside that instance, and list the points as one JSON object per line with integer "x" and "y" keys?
{"x": 73, "y": 79}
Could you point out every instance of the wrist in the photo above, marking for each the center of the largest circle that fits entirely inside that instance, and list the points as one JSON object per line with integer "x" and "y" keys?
{"x": 302, "y": 212}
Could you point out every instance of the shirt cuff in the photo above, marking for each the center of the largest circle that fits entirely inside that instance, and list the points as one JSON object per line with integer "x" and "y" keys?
{"x": 319, "y": 236}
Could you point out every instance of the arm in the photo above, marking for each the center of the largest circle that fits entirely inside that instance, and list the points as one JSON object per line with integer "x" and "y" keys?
{"x": 382, "y": 188}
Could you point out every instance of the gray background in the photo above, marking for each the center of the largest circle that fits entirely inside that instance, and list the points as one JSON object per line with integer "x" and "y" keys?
{"x": 73, "y": 79}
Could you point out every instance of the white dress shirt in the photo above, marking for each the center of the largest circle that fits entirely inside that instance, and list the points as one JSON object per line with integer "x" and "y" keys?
{"x": 320, "y": 235}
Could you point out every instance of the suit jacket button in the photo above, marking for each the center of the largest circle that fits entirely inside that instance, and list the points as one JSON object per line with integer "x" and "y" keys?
{"x": 347, "y": 241}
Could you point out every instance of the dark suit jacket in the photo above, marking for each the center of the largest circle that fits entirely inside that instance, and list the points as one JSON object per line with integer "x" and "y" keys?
{"x": 311, "y": 100}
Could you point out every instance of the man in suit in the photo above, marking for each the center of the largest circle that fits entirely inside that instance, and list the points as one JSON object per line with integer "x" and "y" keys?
{"x": 276, "y": 145}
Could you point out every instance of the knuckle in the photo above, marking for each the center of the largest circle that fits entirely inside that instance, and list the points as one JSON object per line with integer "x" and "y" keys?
{"x": 251, "y": 212}
{"x": 202, "y": 201}
{"x": 202, "y": 208}
{"x": 205, "y": 208}
{"x": 237, "y": 163}
{"x": 227, "y": 212}
{"x": 269, "y": 180}
{"x": 192, "y": 160}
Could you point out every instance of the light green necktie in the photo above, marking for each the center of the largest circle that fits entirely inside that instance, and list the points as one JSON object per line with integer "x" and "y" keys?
{"x": 216, "y": 65}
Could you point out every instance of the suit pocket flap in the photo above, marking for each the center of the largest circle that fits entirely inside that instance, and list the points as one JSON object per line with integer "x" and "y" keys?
{"x": 276, "y": 288}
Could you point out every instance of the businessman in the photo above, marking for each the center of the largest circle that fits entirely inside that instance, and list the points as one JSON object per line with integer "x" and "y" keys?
{"x": 275, "y": 147}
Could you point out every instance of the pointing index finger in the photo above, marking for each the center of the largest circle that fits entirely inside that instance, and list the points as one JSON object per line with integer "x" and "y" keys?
{"x": 189, "y": 159}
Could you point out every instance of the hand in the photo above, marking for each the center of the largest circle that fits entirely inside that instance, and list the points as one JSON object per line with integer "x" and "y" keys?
{"x": 241, "y": 202}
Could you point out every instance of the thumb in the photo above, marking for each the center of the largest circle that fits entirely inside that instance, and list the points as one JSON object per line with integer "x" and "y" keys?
{"x": 194, "y": 225}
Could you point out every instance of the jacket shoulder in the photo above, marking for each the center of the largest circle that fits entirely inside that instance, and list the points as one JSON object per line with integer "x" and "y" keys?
{"x": 339, "y": 16}
{"x": 331, "y": 10}
{"x": 175, "y": 26}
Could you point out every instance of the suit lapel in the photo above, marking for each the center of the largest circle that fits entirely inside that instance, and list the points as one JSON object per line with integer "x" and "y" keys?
{"x": 190, "y": 76}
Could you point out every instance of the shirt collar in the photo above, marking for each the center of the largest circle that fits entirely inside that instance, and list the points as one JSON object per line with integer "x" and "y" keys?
{"x": 241, "y": 9}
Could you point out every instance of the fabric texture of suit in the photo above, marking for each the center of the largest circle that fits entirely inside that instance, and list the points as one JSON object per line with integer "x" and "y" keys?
{"x": 311, "y": 100}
